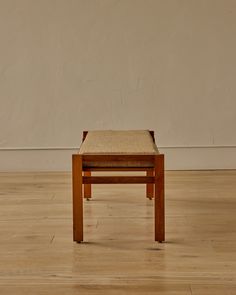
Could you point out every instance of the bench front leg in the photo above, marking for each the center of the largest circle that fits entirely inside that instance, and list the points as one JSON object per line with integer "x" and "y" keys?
{"x": 77, "y": 183}
{"x": 159, "y": 199}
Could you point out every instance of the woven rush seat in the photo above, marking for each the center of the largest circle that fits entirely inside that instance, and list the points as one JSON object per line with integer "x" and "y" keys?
{"x": 107, "y": 142}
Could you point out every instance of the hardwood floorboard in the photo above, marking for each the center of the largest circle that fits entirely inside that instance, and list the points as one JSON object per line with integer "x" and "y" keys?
{"x": 119, "y": 256}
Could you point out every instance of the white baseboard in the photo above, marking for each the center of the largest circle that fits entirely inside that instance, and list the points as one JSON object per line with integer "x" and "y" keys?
{"x": 179, "y": 158}
{"x": 200, "y": 158}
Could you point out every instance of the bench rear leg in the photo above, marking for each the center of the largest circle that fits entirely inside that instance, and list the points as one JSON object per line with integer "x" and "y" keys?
{"x": 87, "y": 187}
{"x": 150, "y": 186}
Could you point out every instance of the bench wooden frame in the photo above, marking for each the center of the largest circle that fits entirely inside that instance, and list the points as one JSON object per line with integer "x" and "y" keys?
{"x": 154, "y": 181}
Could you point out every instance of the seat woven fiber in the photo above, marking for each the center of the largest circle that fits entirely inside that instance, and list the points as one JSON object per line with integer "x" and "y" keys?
{"x": 117, "y": 142}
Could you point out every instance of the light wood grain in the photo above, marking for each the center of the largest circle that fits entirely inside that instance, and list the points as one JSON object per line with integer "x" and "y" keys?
{"x": 38, "y": 256}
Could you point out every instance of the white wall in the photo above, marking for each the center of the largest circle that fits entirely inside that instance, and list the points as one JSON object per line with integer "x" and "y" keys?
{"x": 73, "y": 65}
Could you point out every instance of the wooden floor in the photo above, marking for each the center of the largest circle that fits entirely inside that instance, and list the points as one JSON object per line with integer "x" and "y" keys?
{"x": 37, "y": 255}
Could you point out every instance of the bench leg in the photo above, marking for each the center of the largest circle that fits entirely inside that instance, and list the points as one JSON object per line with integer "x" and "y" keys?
{"x": 159, "y": 199}
{"x": 87, "y": 187}
{"x": 150, "y": 186}
{"x": 77, "y": 198}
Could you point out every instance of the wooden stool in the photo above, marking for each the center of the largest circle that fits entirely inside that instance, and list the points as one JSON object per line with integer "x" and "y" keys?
{"x": 118, "y": 151}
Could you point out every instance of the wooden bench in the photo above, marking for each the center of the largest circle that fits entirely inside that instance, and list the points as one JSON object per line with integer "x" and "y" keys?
{"x": 118, "y": 151}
